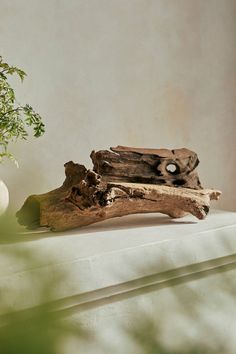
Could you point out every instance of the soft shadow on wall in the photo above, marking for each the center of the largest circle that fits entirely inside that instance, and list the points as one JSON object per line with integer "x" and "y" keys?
{"x": 154, "y": 74}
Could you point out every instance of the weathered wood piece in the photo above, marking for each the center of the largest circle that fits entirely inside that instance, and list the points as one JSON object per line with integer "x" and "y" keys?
{"x": 85, "y": 198}
{"x": 175, "y": 168}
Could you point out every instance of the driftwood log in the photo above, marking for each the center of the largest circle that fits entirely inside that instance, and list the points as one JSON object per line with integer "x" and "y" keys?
{"x": 174, "y": 168}
{"x": 87, "y": 197}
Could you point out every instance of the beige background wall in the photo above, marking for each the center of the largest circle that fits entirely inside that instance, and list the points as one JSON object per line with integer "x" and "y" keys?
{"x": 154, "y": 73}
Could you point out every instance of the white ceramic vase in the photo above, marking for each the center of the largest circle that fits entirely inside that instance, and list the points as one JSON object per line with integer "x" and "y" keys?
{"x": 4, "y": 197}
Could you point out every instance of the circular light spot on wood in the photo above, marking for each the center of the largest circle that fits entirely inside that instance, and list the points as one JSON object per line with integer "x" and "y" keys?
{"x": 171, "y": 168}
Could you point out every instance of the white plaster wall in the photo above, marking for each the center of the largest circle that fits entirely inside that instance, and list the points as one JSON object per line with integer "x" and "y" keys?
{"x": 154, "y": 73}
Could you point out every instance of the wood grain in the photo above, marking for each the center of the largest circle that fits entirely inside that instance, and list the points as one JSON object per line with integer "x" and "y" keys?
{"x": 86, "y": 198}
{"x": 174, "y": 168}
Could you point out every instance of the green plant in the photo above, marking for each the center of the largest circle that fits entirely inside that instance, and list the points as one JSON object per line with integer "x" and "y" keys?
{"x": 14, "y": 118}
{"x": 30, "y": 322}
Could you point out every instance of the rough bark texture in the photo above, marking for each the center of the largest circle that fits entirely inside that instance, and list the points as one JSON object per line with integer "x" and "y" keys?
{"x": 174, "y": 168}
{"x": 86, "y": 198}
